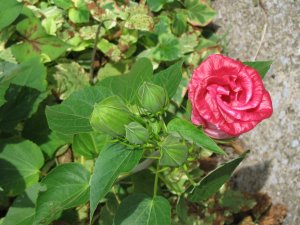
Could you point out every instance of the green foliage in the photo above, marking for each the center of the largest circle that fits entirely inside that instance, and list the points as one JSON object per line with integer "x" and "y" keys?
{"x": 55, "y": 166}
{"x": 112, "y": 161}
{"x": 262, "y": 67}
{"x": 138, "y": 209}
{"x": 212, "y": 182}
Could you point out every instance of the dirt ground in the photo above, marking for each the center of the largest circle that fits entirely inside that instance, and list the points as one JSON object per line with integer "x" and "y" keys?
{"x": 274, "y": 162}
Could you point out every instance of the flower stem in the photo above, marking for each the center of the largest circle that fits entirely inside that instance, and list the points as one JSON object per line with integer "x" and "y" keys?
{"x": 156, "y": 180}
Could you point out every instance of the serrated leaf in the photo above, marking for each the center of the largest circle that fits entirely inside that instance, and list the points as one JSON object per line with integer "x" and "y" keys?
{"x": 37, "y": 42}
{"x": 174, "y": 152}
{"x": 180, "y": 25}
{"x": 262, "y": 67}
{"x": 69, "y": 77}
{"x": 20, "y": 161}
{"x": 199, "y": 12}
{"x": 140, "y": 209}
{"x": 112, "y": 161}
{"x": 169, "y": 78}
{"x": 9, "y": 11}
{"x": 22, "y": 211}
{"x": 168, "y": 48}
{"x": 89, "y": 144}
{"x": 126, "y": 86}
{"x": 213, "y": 181}
{"x": 67, "y": 186}
{"x": 191, "y": 133}
{"x": 73, "y": 115}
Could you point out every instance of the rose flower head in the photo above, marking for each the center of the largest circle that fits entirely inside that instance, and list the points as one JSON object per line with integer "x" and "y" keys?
{"x": 228, "y": 98}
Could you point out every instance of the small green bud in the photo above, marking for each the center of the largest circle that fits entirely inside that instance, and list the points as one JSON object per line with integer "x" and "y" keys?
{"x": 110, "y": 116}
{"x": 174, "y": 152}
{"x": 136, "y": 133}
{"x": 152, "y": 97}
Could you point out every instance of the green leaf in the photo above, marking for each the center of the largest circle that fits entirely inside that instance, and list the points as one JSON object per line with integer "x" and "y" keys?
{"x": 67, "y": 186}
{"x": 112, "y": 161}
{"x": 174, "y": 152}
{"x": 170, "y": 78}
{"x": 182, "y": 209}
{"x": 141, "y": 209}
{"x": 37, "y": 43}
{"x": 65, "y": 4}
{"x": 168, "y": 48}
{"x": 192, "y": 134}
{"x": 89, "y": 144}
{"x": 126, "y": 86}
{"x": 22, "y": 211}
{"x": 79, "y": 15}
{"x": 188, "y": 42}
{"x": 9, "y": 11}
{"x": 235, "y": 201}
{"x": 73, "y": 115}
{"x": 31, "y": 73}
{"x": 69, "y": 77}
{"x": 213, "y": 181}
{"x": 20, "y": 162}
{"x": 180, "y": 22}
{"x": 22, "y": 103}
{"x": 262, "y": 67}
{"x": 199, "y": 12}
{"x": 110, "y": 49}
{"x": 156, "y": 5}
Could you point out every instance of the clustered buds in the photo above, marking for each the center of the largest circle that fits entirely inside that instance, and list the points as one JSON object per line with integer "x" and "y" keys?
{"x": 110, "y": 116}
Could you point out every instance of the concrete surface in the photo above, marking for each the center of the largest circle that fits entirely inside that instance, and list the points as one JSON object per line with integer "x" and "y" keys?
{"x": 274, "y": 162}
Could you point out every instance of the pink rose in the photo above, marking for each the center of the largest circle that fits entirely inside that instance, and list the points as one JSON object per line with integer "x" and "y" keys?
{"x": 228, "y": 98}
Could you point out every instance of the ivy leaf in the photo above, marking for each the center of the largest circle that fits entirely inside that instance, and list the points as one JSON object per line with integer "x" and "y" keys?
{"x": 69, "y": 77}
{"x": 37, "y": 42}
{"x": 22, "y": 211}
{"x": 213, "y": 181}
{"x": 191, "y": 133}
{"x": 170, "y": 78}
{"x": 199, "y": 12}
{"x": 168, "y": 48}
{"x": 9, "y": 11}
{"x": 180, "y": 22}
{"x": 67, "y": 186}
{"x": 112, "y": 161}
{"x": 89, "y": 144}
{"x": 126, "y": 86}
{"x": 73, "y": 115}
{"x": 262, "y": 67}
{"x": 20, "y": 162}
{"x": 156, "y": 5}
{"x": 140, "y": 209}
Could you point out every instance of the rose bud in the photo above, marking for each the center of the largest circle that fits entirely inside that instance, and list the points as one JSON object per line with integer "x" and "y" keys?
{"x": 136, "y": 133}
{"x": 110, "y": 116}
{"x": 152, "y": 97}
{"x": 228, "y": 98}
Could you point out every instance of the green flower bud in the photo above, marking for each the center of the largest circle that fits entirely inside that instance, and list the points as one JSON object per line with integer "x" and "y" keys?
{"x": 174, "y": 152}
{"x": 110, "y": 116}
{"x": 136, "y": 133}
{"x": 152, "y": 97}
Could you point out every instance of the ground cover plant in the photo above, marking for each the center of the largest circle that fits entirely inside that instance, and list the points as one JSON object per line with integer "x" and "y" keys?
{"x": 107, "y": 118}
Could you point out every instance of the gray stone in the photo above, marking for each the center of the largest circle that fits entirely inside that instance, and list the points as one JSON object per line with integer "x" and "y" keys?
{"x": 274, "y": 162}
